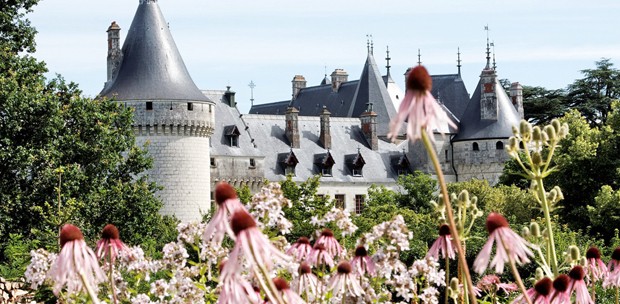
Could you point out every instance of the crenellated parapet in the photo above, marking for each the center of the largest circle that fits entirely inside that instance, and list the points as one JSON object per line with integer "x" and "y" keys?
{"x": 172, "y": 118}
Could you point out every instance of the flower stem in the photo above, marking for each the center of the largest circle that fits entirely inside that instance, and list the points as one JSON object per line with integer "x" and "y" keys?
{"x": 617, "y": 295}
{"x": 545, "y": 205}
{"x": 447, "y": 278}
{"x": 112, "y": 277}
{"x": 515, "y": 272}
{"x": 446, "y": 198}
{"x": 89, "y": 289}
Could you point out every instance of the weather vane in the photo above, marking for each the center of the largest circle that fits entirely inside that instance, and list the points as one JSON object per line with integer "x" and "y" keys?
{"x": 252, "y": 86}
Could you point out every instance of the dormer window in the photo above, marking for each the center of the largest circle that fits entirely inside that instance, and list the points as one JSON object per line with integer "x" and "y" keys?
{"x": 232, "y": 135}
{"x": 356, "y": 163}
{"x": 288, "y": 161}
{"x": 324, "y": 162}
{"x": 401, "y": 164}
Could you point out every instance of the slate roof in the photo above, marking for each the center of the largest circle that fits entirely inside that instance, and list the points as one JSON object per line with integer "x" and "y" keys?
{"x": 351, "y": 99}
{"x": 271, "y": 140}
{"x": 451, "y": 91}
{"x": 471, "y": 127}
{"x": 151, "y": 68}
{"x": 228, "y": 119}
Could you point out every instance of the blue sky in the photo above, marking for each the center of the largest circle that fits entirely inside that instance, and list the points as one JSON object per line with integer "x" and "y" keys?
{"x": 538, "y": 43}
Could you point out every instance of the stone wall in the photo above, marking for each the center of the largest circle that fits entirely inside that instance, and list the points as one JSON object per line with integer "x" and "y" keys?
{"x": 238, "y": 171}
{"x": 485, "y": 163}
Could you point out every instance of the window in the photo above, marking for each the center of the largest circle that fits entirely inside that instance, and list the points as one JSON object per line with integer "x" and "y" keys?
{"x": 212, "y": 161}
{"x": 339, "y": 198}
{"x": 475, "y": 147}
{"x": 232, "y": 135}
{"x": 234, "y": 140}
{"x": 190, "y": 106}
{"x": 289, "y": 170}
{"x": 356, "y": 172}
{"x": 149, "y": 105}
{"x": 499, "y": 145}
{"x": 359, "y": 203}
{"x": 326, "y": 171}
{"x": 252, "y": 163}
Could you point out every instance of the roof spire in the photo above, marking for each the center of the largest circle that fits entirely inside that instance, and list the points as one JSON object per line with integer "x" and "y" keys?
{"x": 387, "y": 60}
{"x": 458, "y": 59}
{"x": 494, "y": 65}
{"x": 419, "y": 58}
{"x": 368, "y": 43}
{"x": 372, "y": 46}
{"x": 486, "y": 28}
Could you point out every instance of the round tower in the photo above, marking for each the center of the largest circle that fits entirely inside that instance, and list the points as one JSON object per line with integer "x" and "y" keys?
{"x": 171, "y": 115}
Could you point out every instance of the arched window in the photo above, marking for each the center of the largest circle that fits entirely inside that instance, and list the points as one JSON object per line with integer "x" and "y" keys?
{"x": 499, "y": 145}
{"x": 475, "y": 146}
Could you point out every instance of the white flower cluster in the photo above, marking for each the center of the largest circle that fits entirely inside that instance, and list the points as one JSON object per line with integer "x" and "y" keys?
{"x": 175, "y": 256}
{"x": 36, "y": 272}
{"x": 190, "y": 232}
{"x": 133, "y": 260}
{"x": 342, "y": 219}
{"x": 395, "y": 232}
{"x": 266, "y": 207}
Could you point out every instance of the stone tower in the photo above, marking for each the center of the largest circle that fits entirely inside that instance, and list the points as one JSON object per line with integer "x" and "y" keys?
{"x": 171, "y": 115}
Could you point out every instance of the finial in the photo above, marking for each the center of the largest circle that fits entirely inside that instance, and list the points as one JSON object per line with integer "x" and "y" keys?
{"x": 419, "y": 58}
{"x": 368, "y": 43}
{"x": 494, "y": 65}
{"x": 486, "y": 28}
{"x": 387, "y": 60}
{"x": 458, "y": 59}
{"x": 252, "y": 86}
{"x": 358, "y": 149}
{"x": 369, "y": 106}
{"x": 372, "y": 46}
{"x": 325, "y": 66}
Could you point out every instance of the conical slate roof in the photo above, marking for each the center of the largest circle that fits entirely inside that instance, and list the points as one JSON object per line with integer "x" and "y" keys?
{"x": 471, "y": 125}
{"x": 152, "y": 68}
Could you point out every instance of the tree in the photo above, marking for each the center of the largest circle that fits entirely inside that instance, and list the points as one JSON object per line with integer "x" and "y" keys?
{"x": 540, "y": 105}
{"x": 64, "y": 158}
{"x": 418, "y": 191}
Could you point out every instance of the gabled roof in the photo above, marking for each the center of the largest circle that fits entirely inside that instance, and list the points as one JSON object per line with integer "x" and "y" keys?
{"x": 324, "y": 159}
{"x": 151, "y": 68}
{"x": 450, "y": 90}
{"x": 472, "y": 127}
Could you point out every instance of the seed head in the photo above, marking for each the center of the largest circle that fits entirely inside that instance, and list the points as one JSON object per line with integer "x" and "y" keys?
{"x": 616, "y": 254}
{"x": 70, "y": 233}
{"x": 223, "y": 192}
{"x": 281, "y": 284}
{"x": 577, "y": 273}
{"x": 303, "y": 240}
{"x": 543, "y": 286}
{"x": 419, "y": 80}
{"x": 304, "y": 268}
{"x": 561, "y": 283}
{"x": 494, "y": 221}
{"x": 110, "y": 232}
{"x": 360, "y": 251}
{"x": 344, "y": 268}
{"x": 327, "y": 233}
{"x": 593, "y": 253}
{"x": 240, "y": 221}
{"x": 319, "y": 247}
{"x": 444, "y": 230}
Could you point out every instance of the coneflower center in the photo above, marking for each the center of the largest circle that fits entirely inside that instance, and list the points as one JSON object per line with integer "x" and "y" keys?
{"x": 281, "y": 284}
{"x": 240, "y": 221}
{"x": 561, "y": 283}
{"x": 110, "y": 232}
{"x": 593, "y": 253}
{"x": 223, "y": 192}
{"x": 616, "y": 254}
{"x": 303, "y": 240}
{"x": 419, "y": 79}
{"x": 444, "y": 230}
{"x": 360, "y": 251}
{"x": 70, "y": 233}
{"x": 344, "y": 268}
{"x": 577, "y": 273}
{"x": 327, "y": 233}
{"x": 304, "y": 268}
{"x": 494, "y": 221}
{"x": 543, "y": 287}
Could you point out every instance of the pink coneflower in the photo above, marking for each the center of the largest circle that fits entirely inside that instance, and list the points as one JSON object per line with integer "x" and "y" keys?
{"x": 443, "y": 245}
{"x": 577, "y": 284}
{"x": 500, "y": 233}
{"x": 419, "y": 107}
{"x": 491, "y": 283}
{"x": 254, "y": 246}
{"x": 307, "y": 283}
{"x": 236, "y": 289}
{"x": 227, "y": 203}
{"x": 561, "y": 291}
{"x": 76, "y": 265}
{"x": 613, "y": 279}
{"x": 362, "y": 263}
{"x": 331, "y": 244}
{"x": 596, "y": 268}
{"x": 300, "y": 249}
{"x": 110, "y": 243}
{"x": 344, "y": 283}
{"x": 541, "y": 293}
{"x": 289, "y": 296}
{"x": 320, "y": 256}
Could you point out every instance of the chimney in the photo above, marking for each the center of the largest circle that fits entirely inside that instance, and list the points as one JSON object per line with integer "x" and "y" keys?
{"x": 292, "y": 127}
{"x": 516, "y": 94}
{"x": 229, "y": 97}
{"x": 369, "y": 127}
{"x": 338, "y": 77}
{"x": 325, "y": 137}
{"x": 299, "y": 82}
{"x": 488, "y": 96}
{"x": 114, "y": 50}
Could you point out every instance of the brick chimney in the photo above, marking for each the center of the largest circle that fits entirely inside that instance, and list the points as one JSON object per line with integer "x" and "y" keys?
{"x": 299, "y": 82}
{"x": 516, "y": 94}
{"x": 488, "y": 96}
{"x": 229, "y": 97}
{"x": 292, "y": 126}
{"x": 338, "y": 77}
{"x": 325, "y": 137}
{"x": 114, "y": 50}
{"x": 369, "y": 128}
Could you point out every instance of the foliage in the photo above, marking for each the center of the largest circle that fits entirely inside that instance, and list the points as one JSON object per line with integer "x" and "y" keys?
{"x": 418, "y": 190}
{"x": 605, "y": 212}
{"x": 540, "y": 105}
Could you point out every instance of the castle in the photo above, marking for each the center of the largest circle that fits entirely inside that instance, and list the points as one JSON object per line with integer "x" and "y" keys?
{"x": 337, "y": 129}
